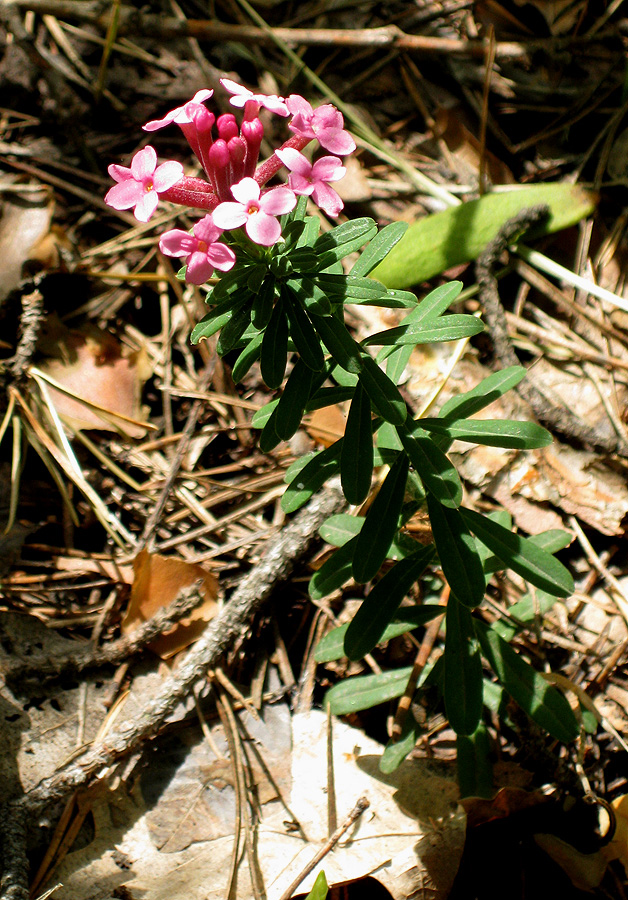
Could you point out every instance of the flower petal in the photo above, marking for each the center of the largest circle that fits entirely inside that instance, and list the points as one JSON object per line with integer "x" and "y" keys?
{"x": 120, "y": 173}
{"x": 205, "y": 229}
{"x": 339, "y": 142}
{"x": 146, "y": 206}
{"x": 327, "y": 198}
{"x": 299, "y": 105}
{"x": 221, "y": 257}
{"x": 278, "y": 201}
{"x": 246, "y": 190}
{"x": 125, "y": 194}
{"x": 143, "y": 163}
{"x": 199, "y": 268}
{"x": 263, "y": 229}
{"x": 229, "y": 215}
{"x": 177, "y": 243}
{"x": 300, "y": 185}
{"x": 295, "y": 161}
{"x": 328, "y": 168}
{"x": 167, "y": 174}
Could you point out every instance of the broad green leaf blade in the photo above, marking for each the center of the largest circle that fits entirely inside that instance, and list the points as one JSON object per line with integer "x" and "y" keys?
{"x": 312, "y": 477}
{"x": 521, "y": 555}
{"x": 544, "y": 703}
{"x": 332, "y": 646}
{"x": 275, "y": 347}
{"x": 463, "y": 670}
{"x": 459, "y": 234}
{"x": 302, "y": 333}
{"x": 435, "y": 470}
{"x": 269, "y": 438}
{"x": 384, "y": 394}
{"x": 380, "y": 525}
{"x": 343, "y": 348}
{"x": 335, "y": 572}
{"x": 483, "y": 394}
{"x": 380, "y": 606}
{"x": 354, "y": 694}
{"x": 320, "y": 889}
{"x": 397, "y": 361}
{"x": 328, "y": 397}
{"x": 356, "y": 460}
{"x": 379, "y": 247}
{"x": 293, "y": 400}
{"x": 339, "y": 529}
{"x": 209, "y": 325}
{"x": 513, "y": 434}
{"x": 263, "y": 415}
{"x": 475, "y": 772}
{"x": 448, "y": 328}
{"x": 457, "y": 552}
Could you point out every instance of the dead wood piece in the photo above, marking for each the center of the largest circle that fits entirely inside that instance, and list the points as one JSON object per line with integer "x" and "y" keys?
{"x": 219, "y": 637}
{"x": 115, "y": 652}
{"x": 14, "y": 881}
{"x": 559, "y": 419}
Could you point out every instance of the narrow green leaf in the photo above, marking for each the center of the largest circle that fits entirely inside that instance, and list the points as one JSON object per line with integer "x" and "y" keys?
{"x": 463, "y": 670}
{"x": 364, "y": 692}
{"x": 381, "y": 522}
{"x": 263, "y": 415}
{"x": 396, "y": 361}
{"x": 249, "y": 355}
{"x": 475, "y": 772}
{"x": 303, "y": 334}
{"x": 384, "y": 394}
{"x": 308, "y": 293}
{"x": 457, "y": 552}
{"x": 311, "y": 477}
{"x": 369, "y": 624}
{"x": 342, "y": 240}
{"x": 269, "y": 438}
{"x": 523, "y": 612}
{"x": 483, "y": 394}
{"x": 234, "y": 329}
{"x": 518, "y": 435}
{"x": 329, "y": 397}
{"x": 339, "y": 342}
{"x": 379, "y": 247}
{"x": 544, "y": 703}
{"x": 356, "y": 460}
{"x": 437, "y": 472}
{"x": 309, "y": 235}
{"x": 395, "y": 752}
{"x": 335, "y": 572}
{"x": 275, "y": 347}
{"x": 437, "y": 301}
{"x": 293, "y": 400}
{"x": 320, "y": 889}
{"x": 521, "y": 555}
{"x": 339, "y": 529}
{"x": 262, "y": 308}
{"x": 347, "y": 288}
{"x": 448, "y": 328}
{"x": 209, "y": 325}
{"x": 459, "y": 234}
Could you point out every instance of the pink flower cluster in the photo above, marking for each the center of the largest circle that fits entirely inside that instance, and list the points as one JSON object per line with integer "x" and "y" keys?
{"x": 232, "y": 195}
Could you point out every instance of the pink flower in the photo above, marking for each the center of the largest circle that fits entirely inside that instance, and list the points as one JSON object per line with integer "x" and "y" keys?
{"x": 203, "y": 250}
{"x": 257, "y": 213}
{"x": 307, "y": 179}
{"x": 181, "y": 115}
{"x": 140, "y": 185}
{"x": 241, "y": 95}
{"x": 325, "y": 124}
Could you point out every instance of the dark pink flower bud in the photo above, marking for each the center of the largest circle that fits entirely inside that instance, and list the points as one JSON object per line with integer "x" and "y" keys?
{"x": 237, "y": 154}
{"x": 252, "y": 132}
{"x": 227, "y": 126}
{"x": 219, "y": 168}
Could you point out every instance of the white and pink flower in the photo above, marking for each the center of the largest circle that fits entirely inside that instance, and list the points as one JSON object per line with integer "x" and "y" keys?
{"x": 202, "y": 249}
{"x": 324, "y": 124}
{"x": 256, "y": 211}
{"x": 182, "y": 115}
{"x": 242, "y": 95}
{"x": 140, "y": 185}
{"x": 308, "y": 180}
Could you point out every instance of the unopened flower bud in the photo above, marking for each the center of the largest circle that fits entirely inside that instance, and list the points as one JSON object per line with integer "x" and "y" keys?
{"x": 227, "y": 126}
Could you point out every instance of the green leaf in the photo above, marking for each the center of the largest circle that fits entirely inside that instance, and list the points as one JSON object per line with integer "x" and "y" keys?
{"x": 209, "y": 325}
{"x": 437, "y": 301}
{"x": 332, "y": 646}
{"x": 447, "y": 328}
{"x": 380, "y": 525}
{"x": 249, "y": 355}
{"x": 463, "y": 670}
{"x": 475, "y": 772}
{"x": 328, "y": 397}
{"x": 335, "y": 572}
{"x": 523, "y": 612}
{"x": 262, "y": 308}
{"x": 356, "y": 459}
{"x": 320, "y": 889}
{"x": 369, "y": 624}
{"x": 541, "y": 701}
{"x": 262, "y": 415}
{"x": 269, "y": 438}
{"x": 293, "y": 400}
{"x": 275, "y": 347}
{"x": 308, "y": 293}
{"x": 518, "y": 435}
{"x": 395, "y": 752}
{"x": 379, "y": 247}
{"x": 354, "y": 694}
{"x": 339, "y": 342}
{"x": 342, "y": 240}
{"x": 348, "y": 288}
{"x": 437, "y": 472}
{"x": 459, "y": 234}
{"x": 521, "y": 555}
{"x": 303, "y": 334}
{"x": 339, "y": 529}
{"x": 384, "y": 394}
{"x": 457, "y": 552}
{"x": 311, "y": 477}
{"x": 234, "y": 329}
{"x": 483, "y": 394}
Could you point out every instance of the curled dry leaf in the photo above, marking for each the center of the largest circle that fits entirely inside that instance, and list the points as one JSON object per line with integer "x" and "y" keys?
{"x": 105, "y": 384}
{"x": 24, "y": 227}
{"x": 156, "y": 584}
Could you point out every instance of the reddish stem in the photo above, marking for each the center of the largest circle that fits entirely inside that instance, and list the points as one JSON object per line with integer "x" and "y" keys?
{"x": 192, "y": 192}
{"x": 271, "y": 166}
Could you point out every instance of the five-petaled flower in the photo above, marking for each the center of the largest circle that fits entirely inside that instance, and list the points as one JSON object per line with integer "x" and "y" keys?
{"x": 140, "y": 185}
{"x": 307, "y": 179}
{"x": 257, "y": 213}
{"x": 242, "y": 95}
{"x": 182, "y": 115}
{"x": 324, "y": 124}
{"x": 203, "y": 250}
